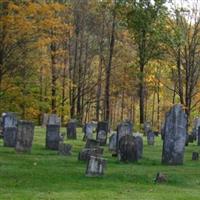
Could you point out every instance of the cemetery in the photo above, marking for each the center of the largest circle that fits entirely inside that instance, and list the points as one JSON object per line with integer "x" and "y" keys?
{"x": 41, "y": 163}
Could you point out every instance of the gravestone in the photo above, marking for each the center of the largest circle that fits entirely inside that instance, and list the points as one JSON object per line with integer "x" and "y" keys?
{"x": 139, "y": 144}
{"x": 198, "y": 138}
{"x": 150, "y": 138}
{"x": 102, "y": 131}
{"x": 196, "y": 126}
{"x": 174, "y": 136}
{"x": 191, "y": 138}
{"x": 71, "y": 129}
{"x": 9, "y": 129}
{"x": 52, "y": 136}
{"x": 64, "y": 149}
{"x": 127, "y": 151}
{"x": 123, "y": 129}
{"x": 25, "y": 134}
{"x": 95, "y": 166}
{"x": 85, "y": 154}
{"x": 88, "y": 131}
{"x": 147, "y": 127}
{"x": 195, "y": 156}
{"x": 112, "y": 143}
{"x": 54, "y": 120}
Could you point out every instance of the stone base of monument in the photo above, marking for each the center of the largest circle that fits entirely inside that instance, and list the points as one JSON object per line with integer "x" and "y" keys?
{"x": 64, "y": 149}
{"x": 85, "y": 154}
{"x": 195, "y": 156}
{"x": 9, "y": 136}
{"x": 95, "y": 166}
{"x": 25, "y": 133}
{"x": 160, "y": 178}
{"x": 91, "y": 143}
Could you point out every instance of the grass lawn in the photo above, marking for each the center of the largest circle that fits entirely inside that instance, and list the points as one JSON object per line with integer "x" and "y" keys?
{"x": 45, "y": 175}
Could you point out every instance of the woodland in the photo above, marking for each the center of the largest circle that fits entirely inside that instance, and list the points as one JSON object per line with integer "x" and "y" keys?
{"x": 100, "y": 59}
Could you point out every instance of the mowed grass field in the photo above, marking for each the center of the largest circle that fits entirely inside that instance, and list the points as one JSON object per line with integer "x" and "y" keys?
{"x": 44, "y": 174}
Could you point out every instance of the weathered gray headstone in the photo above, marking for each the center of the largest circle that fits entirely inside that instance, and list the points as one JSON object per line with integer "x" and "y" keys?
{"x": 150, "y": 137}
{"x": 128, "y": 151}
{"x": 88, "y": 131}
{"x": 9, "y": 129}
{"x": 139, "y": 144}
{"x": 123, "y": 129}
{"x": 52, "y": 136}
{"x": 113, "y": 143}
{"x": 174, "y": 136}
{"x": 64, "y": 149}
{"x": 102, "y": 132}
{"x": 147, "y": 127}
{"x": 54, "y": 120}
{"x": 71, "y": 129}
{"x": 25, "y": 134}
{"x": 95, "y": 166}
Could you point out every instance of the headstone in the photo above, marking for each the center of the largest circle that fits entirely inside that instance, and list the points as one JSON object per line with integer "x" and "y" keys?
{"x": 196, "y": 126}
{"x": 92, "y": 143}
{"x": 112, "y": 143}
{"x": 147, "y": 127}
{"x": 64, "y": 149}
{"x": 187, "y": 139}
{"x": 102, "y": 131}
{"x": 191, "y": 138}
{"x": 195, "y": 156}
{"x": 71, "y": 129}
{"x": 9, "y": 129}
{"x": 95, "y": 166}
{"x": 139, "y": 144}
{"x": 45, "y": 119}
{"x": 25, "y": 133}
{"x": 123, "y": 129}
{"x": 54, "y": 120}
{"x": 174, "y": 136}
{"x": 150, "y": 138}
{"x": 52, "y": 136}
{"x": 85, "y": 154}
{"x": 128, "y": 151}
{"x": 88, "y": 131}
{"x": 198, "y": 138}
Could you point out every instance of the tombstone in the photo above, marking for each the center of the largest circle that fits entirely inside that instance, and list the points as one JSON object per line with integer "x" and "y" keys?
{"x": 54, "y": 120}
{"x": 71, "y": 129}
{"x": 147, "y": 127}
{"x": 196, "y": 125}
{"x": 187, "y": 139}
{"x": 92, "y": 143}
{"x": 195, "y": 156}
{"x": 139, "y": 143}
{"x": 191, "y": 138}
{"x": 52, "y": 136}
{"x": 112, "y": 143}
{"x": 88, "y": 131}
{"x": 102, "y": 131}
{"x": 95, "y": 166}
{"x": 64, "y": 149}
{"x": 174, "y": 136}
{"x": 9, "y": 129}
{"x": 128, "y": 151}
{"x": 198, "y": 138}
{"x": 150, "y": 138}
{"x": 123, "y": 129}
{"x": 25, "y": 133}
{"x": 45, "y": 119}
{"x": 85, "y": 154}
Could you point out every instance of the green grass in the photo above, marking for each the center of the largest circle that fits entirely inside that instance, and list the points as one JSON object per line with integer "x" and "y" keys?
{"x": 45, "y": 175}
